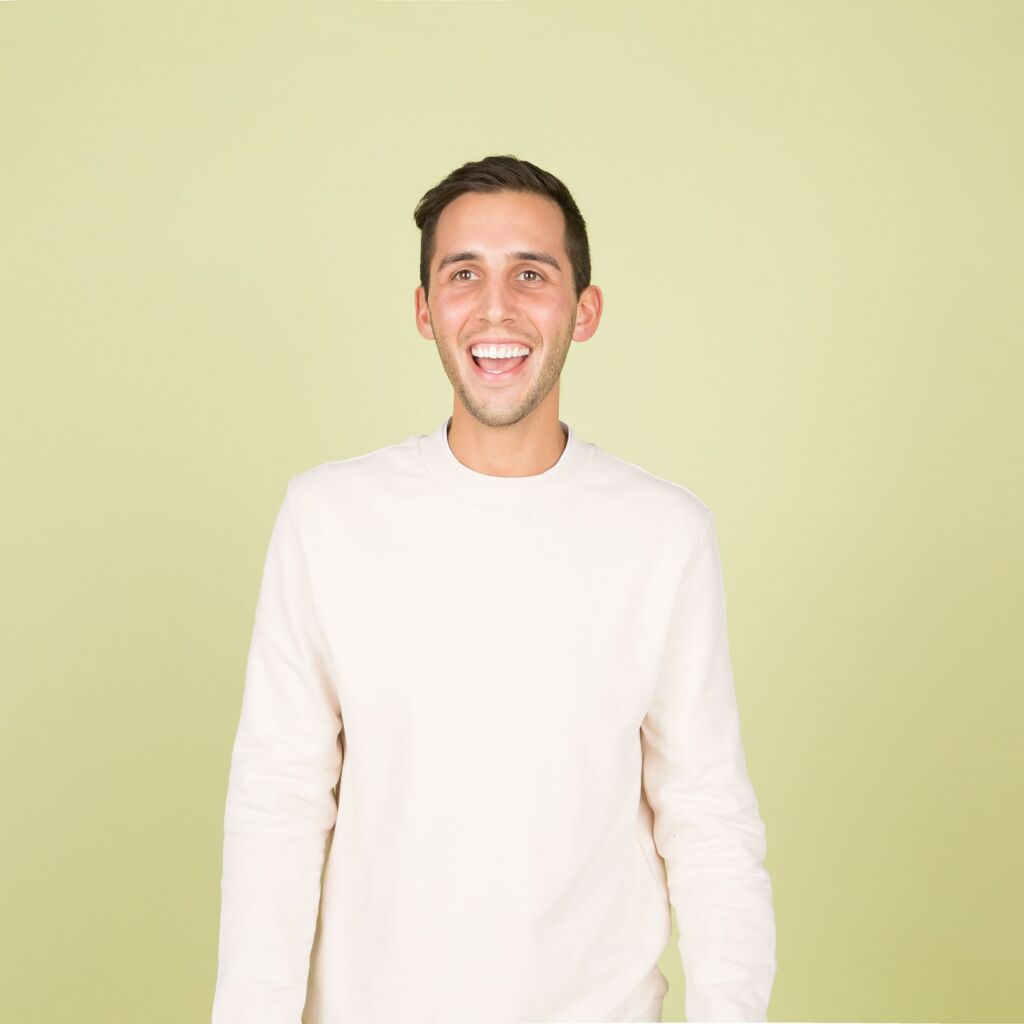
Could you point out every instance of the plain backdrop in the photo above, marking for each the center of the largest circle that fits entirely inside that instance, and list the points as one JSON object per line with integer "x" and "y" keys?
{"x": 806, "y": 219}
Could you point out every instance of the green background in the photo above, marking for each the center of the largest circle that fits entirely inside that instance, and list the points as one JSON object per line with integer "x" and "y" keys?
{"x": 806, "y": 219}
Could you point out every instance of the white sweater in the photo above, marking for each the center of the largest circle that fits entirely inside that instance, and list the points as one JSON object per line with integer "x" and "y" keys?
{"x": 481, "y": 717}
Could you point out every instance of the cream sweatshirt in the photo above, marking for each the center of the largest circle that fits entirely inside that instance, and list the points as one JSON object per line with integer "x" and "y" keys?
{"x": 488, "y": 734}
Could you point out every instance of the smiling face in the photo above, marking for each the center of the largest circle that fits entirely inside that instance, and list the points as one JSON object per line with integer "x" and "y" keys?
{"x": 500, "y": 274}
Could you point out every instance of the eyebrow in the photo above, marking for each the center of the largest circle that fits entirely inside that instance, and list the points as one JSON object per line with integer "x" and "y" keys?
{"x": 537, "y": 257}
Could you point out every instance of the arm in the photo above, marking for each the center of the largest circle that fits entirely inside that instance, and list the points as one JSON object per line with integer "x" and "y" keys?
{"x": 280, "y": 806}
{"x": 707, "y": 825}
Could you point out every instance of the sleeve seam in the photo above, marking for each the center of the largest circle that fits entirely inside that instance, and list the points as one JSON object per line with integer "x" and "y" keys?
{"x": 693, "y": 551}
{"x": 293, "y": 525}
{"x": 683, "y": 575}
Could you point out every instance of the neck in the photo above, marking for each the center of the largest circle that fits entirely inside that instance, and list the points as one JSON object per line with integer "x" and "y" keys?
{"x": 526, "y": 448}
{"x": 548, "y": 473}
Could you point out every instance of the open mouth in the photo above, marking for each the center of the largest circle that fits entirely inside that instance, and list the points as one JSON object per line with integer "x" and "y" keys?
{"x": 498, "y": 369}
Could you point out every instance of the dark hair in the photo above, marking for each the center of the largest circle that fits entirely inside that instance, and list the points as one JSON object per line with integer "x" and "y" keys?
{"x": 503, "y": 174}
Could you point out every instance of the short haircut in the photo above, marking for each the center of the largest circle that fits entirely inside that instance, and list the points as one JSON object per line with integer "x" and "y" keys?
{"x": 503, "y": 174}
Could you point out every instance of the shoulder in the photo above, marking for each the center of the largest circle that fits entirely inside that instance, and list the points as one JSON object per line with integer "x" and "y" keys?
{"x": 656, "y": 499}
{"x": 353, "y": 482}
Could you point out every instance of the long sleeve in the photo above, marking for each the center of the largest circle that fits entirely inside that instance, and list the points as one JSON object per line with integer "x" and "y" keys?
{"x": 281, "y": 804}
{"x": 707, "y": 824}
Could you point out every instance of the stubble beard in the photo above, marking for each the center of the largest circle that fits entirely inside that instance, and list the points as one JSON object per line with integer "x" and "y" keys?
{"x": 499, "y": 411}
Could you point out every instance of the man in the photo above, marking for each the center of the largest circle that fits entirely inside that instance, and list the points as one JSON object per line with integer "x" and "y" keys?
{"x": 489, "y": 731}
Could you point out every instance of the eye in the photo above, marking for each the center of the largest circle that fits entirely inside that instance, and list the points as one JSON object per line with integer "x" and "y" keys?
{"x": 539, "y": 277}
{"x": 465, "y": 270}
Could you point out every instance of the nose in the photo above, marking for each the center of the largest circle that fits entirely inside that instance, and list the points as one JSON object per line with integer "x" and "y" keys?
{"x": 497, "y": 302}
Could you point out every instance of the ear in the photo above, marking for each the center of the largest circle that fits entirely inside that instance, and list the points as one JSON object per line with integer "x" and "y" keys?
{"x": 422, "y": 314}
{"x": 588, "y": 312}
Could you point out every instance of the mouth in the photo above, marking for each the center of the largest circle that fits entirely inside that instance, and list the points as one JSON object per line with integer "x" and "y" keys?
{"x": 499, "y": 370}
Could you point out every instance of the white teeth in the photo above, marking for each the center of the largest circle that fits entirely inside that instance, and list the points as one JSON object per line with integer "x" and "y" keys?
{"x": 499, "y": 351}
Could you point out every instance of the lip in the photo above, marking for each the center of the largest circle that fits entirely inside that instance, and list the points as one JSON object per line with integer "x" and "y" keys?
{"x": 496, "y": 378}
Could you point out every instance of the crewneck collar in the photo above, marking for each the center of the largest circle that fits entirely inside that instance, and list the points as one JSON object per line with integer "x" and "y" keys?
{"x": 506, "y": 492}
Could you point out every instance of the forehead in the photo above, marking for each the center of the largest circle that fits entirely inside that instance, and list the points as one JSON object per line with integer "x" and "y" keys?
{"x": 502, "y": 222}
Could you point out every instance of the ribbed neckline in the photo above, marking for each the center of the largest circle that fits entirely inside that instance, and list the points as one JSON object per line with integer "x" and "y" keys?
{"x": 505, "y": 492}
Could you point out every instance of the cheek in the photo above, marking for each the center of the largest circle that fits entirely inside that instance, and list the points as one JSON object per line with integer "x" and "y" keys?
{"x": 553, "y": 306}
{"x": 552, "y": 318}
{"x": 453, "y": 319}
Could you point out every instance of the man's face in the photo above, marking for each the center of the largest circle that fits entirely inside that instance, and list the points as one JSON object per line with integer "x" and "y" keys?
{"x": 491, "y": 281}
